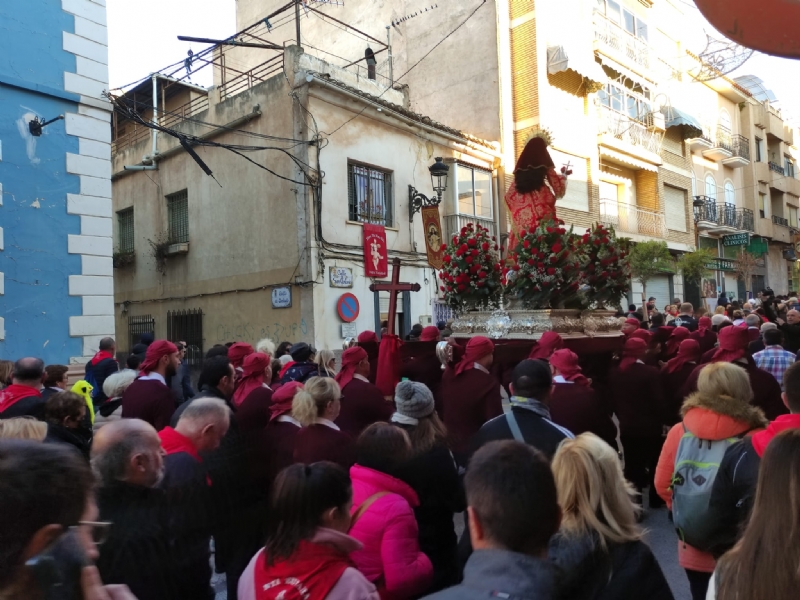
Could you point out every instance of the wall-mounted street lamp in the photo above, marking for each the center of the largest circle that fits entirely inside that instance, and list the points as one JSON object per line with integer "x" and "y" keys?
{"x": 416, "y": 199}
{"x": 698, "y": 205}
{"x": 35, "y": 125}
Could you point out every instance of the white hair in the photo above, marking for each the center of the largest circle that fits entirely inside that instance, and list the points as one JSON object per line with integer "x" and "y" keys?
{"x": 205, "y": 411}
{"x": 285, "y": 359}
{"x": 267, "y": 346}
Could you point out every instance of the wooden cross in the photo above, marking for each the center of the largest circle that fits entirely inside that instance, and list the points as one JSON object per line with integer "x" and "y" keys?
{"x": 393, "y": 287}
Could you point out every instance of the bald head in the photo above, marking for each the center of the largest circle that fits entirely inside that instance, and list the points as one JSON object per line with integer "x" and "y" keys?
{"x": 205, "y": 421}
{"x": 128, "y": 450}
{"x": 29, "y": 371}
{"x": 752, "y": 320}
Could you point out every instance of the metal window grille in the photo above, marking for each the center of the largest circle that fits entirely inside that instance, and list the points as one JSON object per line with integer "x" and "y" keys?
{"x": 178, "y": 217}
{"x": 187, "y": 326}
{"x": 370, "y": 194}
{"x": 125, "y": 224}
{"x": 139, "y": 325}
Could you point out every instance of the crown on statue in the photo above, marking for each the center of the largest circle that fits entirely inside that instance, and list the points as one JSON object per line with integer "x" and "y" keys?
{"x": 544, "y": 134}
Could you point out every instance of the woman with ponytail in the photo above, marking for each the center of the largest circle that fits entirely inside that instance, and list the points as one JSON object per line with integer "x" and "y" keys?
{"x": 316, "y": 407}
{"x": 307, "y": 552}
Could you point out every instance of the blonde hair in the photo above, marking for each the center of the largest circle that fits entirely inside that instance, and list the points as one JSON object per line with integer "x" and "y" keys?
{"x": 310, "y": 402}
{"x": 324, "y": 356}
{"x": 267, "y": 346}
{"x": 6, "y": 370}
{"x": 725, "y": 380}
{"x": 592, "y": 491}
{"x": 720, "y": 310}
{"x": 23, "y": 428}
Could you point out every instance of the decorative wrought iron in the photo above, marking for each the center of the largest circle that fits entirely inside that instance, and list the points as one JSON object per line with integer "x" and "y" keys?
{"x": 721, "y": 57}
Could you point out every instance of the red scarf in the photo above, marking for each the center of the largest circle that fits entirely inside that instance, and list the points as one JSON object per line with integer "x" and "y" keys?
{"x": 155, "y": 352}
{"x": 174, "y": 442}
{"x": 14, "y": 393}
{"x": 688, "y": 351}
{"x": 477, "y": 348}
{"x": 101, "y": 356}
{"x": 678, "y": 335}
{"x": 733, "y": 342}
{"x": 547, "y": 344}
{"x": 282, "y": 399}
{"x": 309, "y": 574}
{"x": 367, "y": 336}
{"x": 350, "y": 359}
{"x": 238, "y": 352}
{"x": 566, "y": 361}
{"x": 252, "y": 376}
{"x": 633, "y": 350}
{"x": 782, "y": 423}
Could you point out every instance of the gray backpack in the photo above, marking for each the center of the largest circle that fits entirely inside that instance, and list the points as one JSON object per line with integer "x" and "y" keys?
{"x": 696, "y": 464}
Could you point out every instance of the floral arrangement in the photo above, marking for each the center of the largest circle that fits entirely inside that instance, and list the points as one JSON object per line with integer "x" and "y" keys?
{"x": 606, "y": 270}
{"x": 545, "y": 268}
{"x": 470, "y": 277}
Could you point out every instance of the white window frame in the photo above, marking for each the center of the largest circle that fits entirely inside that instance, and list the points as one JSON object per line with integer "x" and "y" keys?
{"x": 472, "y": 168}
{"x": 729, "y": 187}
{"x": 711, "y": 186}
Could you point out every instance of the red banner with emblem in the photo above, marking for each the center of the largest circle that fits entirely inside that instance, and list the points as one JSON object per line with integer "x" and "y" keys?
{"x": 432, "y": 227}
{"x": 376, "y": 258}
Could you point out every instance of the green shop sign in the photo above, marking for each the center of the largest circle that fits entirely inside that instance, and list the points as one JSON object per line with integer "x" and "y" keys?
{"x": 737, "y": 239}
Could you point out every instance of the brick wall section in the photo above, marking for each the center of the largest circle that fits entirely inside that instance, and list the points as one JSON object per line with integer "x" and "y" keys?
{"x": 525, "y": 71}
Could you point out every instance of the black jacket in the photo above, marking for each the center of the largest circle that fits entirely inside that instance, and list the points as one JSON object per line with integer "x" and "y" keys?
{"x": 78, "y": 439}
{"x": 537, "y": 431}
{"x": 434, "y": 476}
{"x": 687, "y": 321}
{"x": 791, "y": 335}
{"x": 101, "y": 371}
{"x": 585, "y": 570}
{"x": 732, "y": 495}
{"x": 137, "y": 551}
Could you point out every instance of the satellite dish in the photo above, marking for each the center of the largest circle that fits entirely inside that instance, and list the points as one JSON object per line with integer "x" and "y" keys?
{"x": 769, "y": 26}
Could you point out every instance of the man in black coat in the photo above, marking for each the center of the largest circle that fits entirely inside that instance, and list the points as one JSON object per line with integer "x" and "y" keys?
{"x": 791, "y": 330}
{"x": 735, "y": 485}
{"x": 529, "y": 420}
{"x": 100, "y": 367}
{"x": 126, "y": 456}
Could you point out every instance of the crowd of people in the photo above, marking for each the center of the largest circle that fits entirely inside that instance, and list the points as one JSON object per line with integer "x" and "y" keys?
{"x": 290, "y": 471}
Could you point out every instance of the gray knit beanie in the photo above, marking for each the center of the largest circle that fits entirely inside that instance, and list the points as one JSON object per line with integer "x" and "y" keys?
{"x": 413, "y": 399}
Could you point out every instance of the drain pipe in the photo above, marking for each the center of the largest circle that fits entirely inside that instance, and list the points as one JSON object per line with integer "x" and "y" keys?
{"x": 155, "y": 113}
{"x": 140, "y": 168}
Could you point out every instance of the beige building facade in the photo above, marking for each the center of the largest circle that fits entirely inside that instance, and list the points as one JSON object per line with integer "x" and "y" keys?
{"x": 267, "y": 248}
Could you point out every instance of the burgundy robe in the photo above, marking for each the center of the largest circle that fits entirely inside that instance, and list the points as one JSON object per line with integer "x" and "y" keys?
{"x": 320, "y": 442}
{"x": 673, "y": 391}
{"x": 148, "y": 400}
{"x": 468, "y": 401}
{"x": 253, "y": 413}
{"x": 427, "y": 370}
{"x": 579, "y": 408}
{"x": 637, "y": 399}
{"x": 766, "y": 389}
{"x": 707, "y": 339}
{"x": 278, "y": 445}
{"x": 362, "y": 405}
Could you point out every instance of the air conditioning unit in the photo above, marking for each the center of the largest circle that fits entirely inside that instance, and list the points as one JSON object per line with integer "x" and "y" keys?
{"x": 655, "y": 121}
{"x": 789, "y": 254}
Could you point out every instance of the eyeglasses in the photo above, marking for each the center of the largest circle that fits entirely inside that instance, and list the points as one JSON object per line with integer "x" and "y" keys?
{"x": 99, "y": 530}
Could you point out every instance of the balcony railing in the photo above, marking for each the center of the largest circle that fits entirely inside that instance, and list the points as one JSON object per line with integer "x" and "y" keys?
{"x": 454, "y": 223}
{"x": 724, "y": 138}
{"x": 780, "y": 220}
{"x": 627, "y": 130}
{"x": 724, "y": 214}
{"x": 615, "y": 37}
{"x": 777, "y": 168}
{"x": 741, "y": 146}
{"x": 629, "y": 218}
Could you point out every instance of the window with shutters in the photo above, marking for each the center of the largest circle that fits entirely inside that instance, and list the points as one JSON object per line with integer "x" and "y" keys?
{"x": 762, "y": 205}
{"x": 369, "y": 194}
{"x": 125, "y": 228}
{"x": 675, "y": 205}
{"x": 577, "y": 196}
{"x": 178, "y": 217}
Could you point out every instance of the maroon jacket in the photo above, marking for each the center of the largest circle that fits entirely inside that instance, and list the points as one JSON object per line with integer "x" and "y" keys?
{"x": 766, "y": 389}
{"x": 148, "y": 400}
{"x": 362, "y": 405}
{"x": 673, "y": 391}
{"x": 278, "y": 443}
{"x": 579, "y": 408}
{"x": 426, "y": 370}
{"x": 468, "y": 401}
{"x": 253, "y": 413}
{"x": 320, "y": 442}
{"x": 638, "y": 399}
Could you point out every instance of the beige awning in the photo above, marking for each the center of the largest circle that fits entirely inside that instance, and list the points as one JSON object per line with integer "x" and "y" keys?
{"x": 628, "y": 160}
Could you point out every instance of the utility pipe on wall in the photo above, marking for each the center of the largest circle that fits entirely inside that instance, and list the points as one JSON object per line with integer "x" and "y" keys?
{"x": 155, "y": 112}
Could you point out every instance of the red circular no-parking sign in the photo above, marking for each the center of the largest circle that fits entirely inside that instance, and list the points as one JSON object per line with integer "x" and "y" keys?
{"x": 347, "y": 307}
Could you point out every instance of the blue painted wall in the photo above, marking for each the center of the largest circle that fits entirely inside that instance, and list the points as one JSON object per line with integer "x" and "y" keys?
{"x": 36, "y": 305}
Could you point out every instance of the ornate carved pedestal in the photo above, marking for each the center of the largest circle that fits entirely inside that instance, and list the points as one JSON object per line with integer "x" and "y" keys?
{"x": 531, "y": 324}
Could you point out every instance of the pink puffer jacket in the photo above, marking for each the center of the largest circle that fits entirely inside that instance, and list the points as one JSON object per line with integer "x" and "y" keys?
{"x": 389, "y": 533}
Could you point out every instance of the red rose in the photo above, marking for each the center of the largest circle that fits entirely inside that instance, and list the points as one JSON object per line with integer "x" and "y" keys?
{"x": 494, "y": 239}
{"x": 449, "y": 288}
{"x": 516, "y": 267}
{"x": 551, "y": 271}
{"x": 463, "y": 231}
{"x": 540, "y": 265}
{"x": 472, "y": 242}
{"x": 596, "y": 242}
{"x": 475, "y": 253}
{"x": 482, "y": 274}
{"x": 531, "y": 261}
{"x": 553, "y": 260}
{"x": 548, "y": 229}
{"x": 480, "y": 284}
{"x": 557, "y": 247}
{"x": 495, "y": 248}
{"x": 604, "y": 274}
{"x": 485, "y": 246}
{"x": 442, "y": 288}
{"x": 447, "y": 258}
{"x": 469, "y": 260}
{"x": 526, "y": 244}
{"x": 461, "y": 287}
{"x": 443, "y": 247}
{"x": 497, "y": 266}
{"x": 463, "y": 247}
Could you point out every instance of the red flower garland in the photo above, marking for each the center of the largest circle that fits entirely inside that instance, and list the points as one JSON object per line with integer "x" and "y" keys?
{"x": 606, "y": 268}
{"x": 470, "y": 277}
